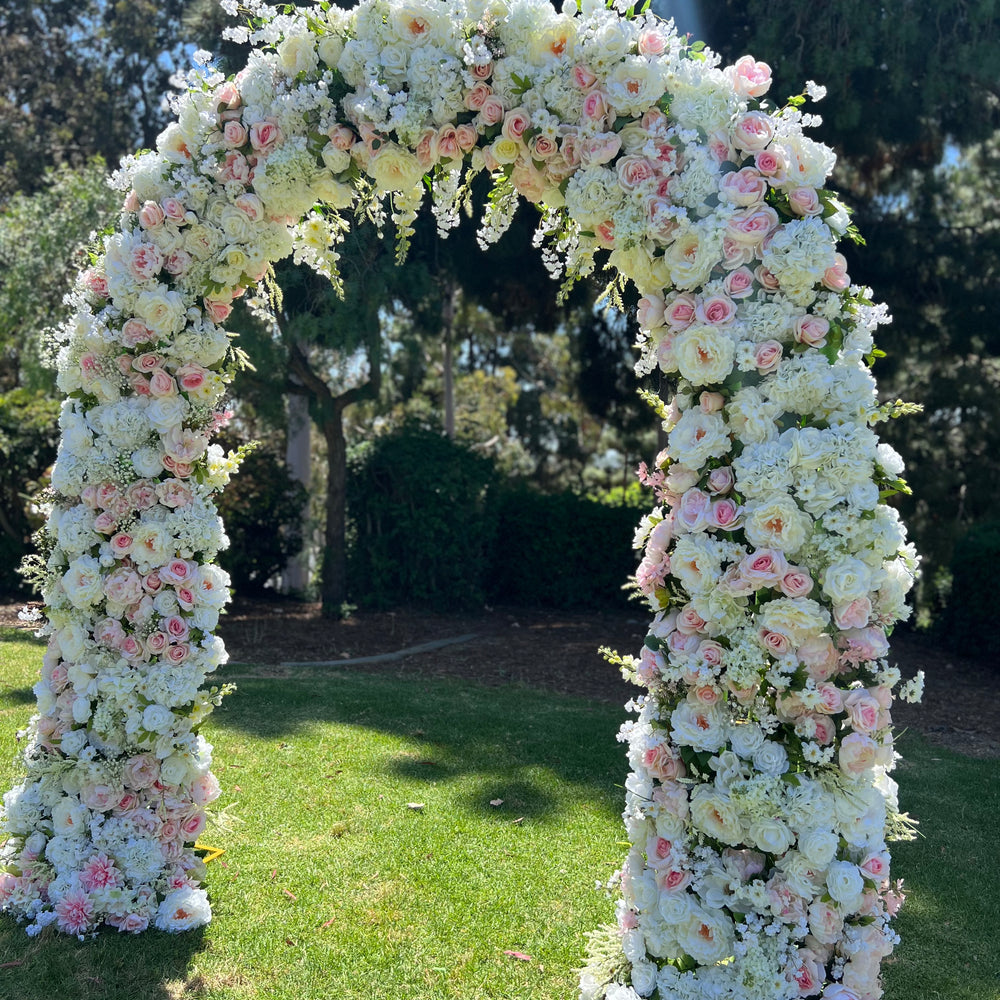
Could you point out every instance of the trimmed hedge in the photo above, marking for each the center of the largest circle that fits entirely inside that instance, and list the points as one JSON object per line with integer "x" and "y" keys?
{"x": 421, "y": 533}
{"x": 561, "y": 550}
{"x": 971, "y": 612}
{"x": 432, "y": 526}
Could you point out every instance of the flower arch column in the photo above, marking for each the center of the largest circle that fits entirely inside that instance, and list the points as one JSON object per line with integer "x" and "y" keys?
{"x": 759, "y": 801}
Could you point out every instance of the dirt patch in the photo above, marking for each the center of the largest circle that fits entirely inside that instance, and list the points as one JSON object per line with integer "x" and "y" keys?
{"x": 558, "y": 651}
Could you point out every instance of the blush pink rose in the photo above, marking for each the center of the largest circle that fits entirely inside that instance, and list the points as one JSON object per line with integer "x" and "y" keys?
{"x": 151, "y": 215}
{"x": 745, "y": 188}
{"x": 680, "y": 311}
{"x": 804, "y": 201}
{"x": 596, "y": 108}
{"x": 583, "y": 77}
{"x": 161, "y": 384}
{"x": 600, "y": 148}
{"x": 753, "y": 131}
{"x": 492, "y": 110}
{"x": 217, "y": 310}
{"x": 738, "y": 284}
{"x": 174, "y": 210}
{"x": 767, "y": 356}
{"x": 863, "y": 711}
{"x": 855, "y": 614}
{"x": 264, "y": 137}
{"x": 467, "y": 137}
{"x": 725, "y": 515}
{"x": 775, "y": 643}
{"x": 476, "y": 97}
{"x": 664, "y": 762}
{"x": 515, "y": 123}
{"x": 751, "y": 78}
{"x": 835, "y": 277}
{"x": 858, "y": 753}
{"x": 811, "y": 330}
{"x": 796, "y": 583}
{"x": 145, "y": 261}
{"x": 234, "y": 134}
{"x": 634, "y": 172}
{"x": 717, "y": 310}
{"x": 157, "y": 642}
{"x": 135, "y": 332}
{"x": 721, "y": 480}
{"x": 711, "y": 402}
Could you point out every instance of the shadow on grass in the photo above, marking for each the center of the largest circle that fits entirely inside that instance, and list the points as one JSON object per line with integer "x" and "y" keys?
{"x": 506, "y": 736}
{"x": 112, "y": 966}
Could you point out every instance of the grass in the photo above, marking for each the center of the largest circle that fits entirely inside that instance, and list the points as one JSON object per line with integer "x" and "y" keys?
{"x": 333, "y": 886}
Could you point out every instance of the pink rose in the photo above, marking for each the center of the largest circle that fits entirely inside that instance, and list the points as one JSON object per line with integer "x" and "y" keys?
{"x": 185, "y": 597}
{"x": 634, "y": 172}
{"x": 600, "y": 148}
{"x": 796, "y": 583}
{"x": 664, "y": 762}
{"x": 174, "y": 210}
{"x": 835, "y": 277}
{"x": 771, "y": 163}
{"x": 492, "y": 110}
{"x": 178, "y": 652}
{"x": 680, "y": 312}
{"x": 147, "y": 363}
{"x": 745, "y": 188}
{"x": 766, "y": 279}
{"x": 174, "y": 493}
{"x": 652, "y": 42}
{"x": 105, "y": 522}
{"x": 856, "y": 614}
{"x": 121, "y": 544}
{"x": 689, "y": 621}
{"x": 515, "y": 124}
{"x": 264, "y": 137}
{"x": 725, "y": 515}
{"x": 825, "y": 729}
{"x": 681, "y": 642}
{"x": 234, "y": 134}
{"x": 145, "y": 261}
{"x": 477, "y": 96}
{"x": 753, "y": 131}
{"x": 804, "y": 201}
{"x": 749, "y": 227}
{"x": 711, "y": 402}
{"x": 95, "y": 283}
{"x": 161, "y": 384}
{"x": 427, "y": 148}
{"x": 131, "y": 203}
{"x": 205, "y": 789}
{"x": 721, "y": 480}
{"x": 751, "y": 78}
{"x": 717, "y": 310}
{"x": 767, "y": 356}
{"x": 862, "y": 711}
{"x": 569, "y": 146}
{"x": 583, "y": 77}
{"x": 192, "y": 825}
{"x": 764, "y": 568}
{"x": 133, "y": 649}
{"x": 109, "y": 633}
{"x": 858, "y": 753}
{"x": 595, "y": 108}
{"x": 177, "y": 571}
{"x": 876, "y": 866}
{"x": 738, "y": 284}
{"x": 650, "y": 312}
{"x": 177, "y": 262}
{"x": 157, "y": 642}
{"x": 831, "y": 699}
{"x": 135, "y": 332}
{"x": 692, "y": 512}
{"x": 151, "y": 215}
{"x": 123, "y": 586}
{"x": 467, "y": 137}
{"x": 775, "y": 643}
{"x": 217, "y": 310}
{"x": 176, "y": 627}
{"x": 543, "y": 147}
{"x": 235, "y": 168}
{"x": 151, "y": 583}
{"x": 191, "y": 377}
{"x": 811, "y": 330}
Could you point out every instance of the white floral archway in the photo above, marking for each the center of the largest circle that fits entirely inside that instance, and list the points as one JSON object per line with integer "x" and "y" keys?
{"x": 758, "y": 801}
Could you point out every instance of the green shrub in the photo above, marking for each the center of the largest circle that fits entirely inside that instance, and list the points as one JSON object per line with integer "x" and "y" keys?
{"x": 262, "y": 511}
{"x": 971, "y": 612}
{"x": 420, "y": 531}
{"x": 561, "y": 550}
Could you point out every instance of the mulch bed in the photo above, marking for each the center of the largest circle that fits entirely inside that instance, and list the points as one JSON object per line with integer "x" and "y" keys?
{"x": 558, "y": 651}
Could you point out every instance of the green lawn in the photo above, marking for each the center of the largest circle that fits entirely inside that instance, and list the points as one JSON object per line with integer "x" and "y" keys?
{"x": 333, "y": 886}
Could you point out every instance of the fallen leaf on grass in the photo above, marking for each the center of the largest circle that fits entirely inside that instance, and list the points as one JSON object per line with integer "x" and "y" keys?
{"x": 329, "y": 923}
{"x": 496, "y": 802}
{"x": 11, "y": 965}
{"x": 289, "y": 942}
{"x": 415, "y": 806}
{"x": 518, "y": 821}
{"x": 519, "y": 955}
{"x": 290, "y": 895}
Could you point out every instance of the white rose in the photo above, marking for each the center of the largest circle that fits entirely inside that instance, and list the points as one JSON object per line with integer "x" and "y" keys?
{"x": 715, "y": 815}
{"x": 846, "y": 885}
{"x": 162, "y": 310}
{"x": 147, "y": 462}
{"x": 395, "y": 169}
{"x": 69, "y": 818}
{"x": 771, "y": 759}
{"x": 846, "y": 580}
{"x": 777, "y": 523}
{"x": 174, "y": 770}
{"x": 771, "y": 836}
{"x": 331, "y": 48}
{"x": 745, "y": 738}
{"x": 82, "y": 582}
{"x": 697, "y": 437}
{"x": 704, "y": 355}
{"x": 818, "y": 846}
{"x": 297, "y": 53}
{"x": 707, "y": 936}
{"x": 644, "y": 977}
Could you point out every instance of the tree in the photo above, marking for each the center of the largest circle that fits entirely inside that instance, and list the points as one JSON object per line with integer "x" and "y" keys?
{"x": 106, "y": 65}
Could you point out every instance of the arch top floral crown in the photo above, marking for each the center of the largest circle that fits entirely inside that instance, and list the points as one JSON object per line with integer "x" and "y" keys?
{"x": 758, "y": 802}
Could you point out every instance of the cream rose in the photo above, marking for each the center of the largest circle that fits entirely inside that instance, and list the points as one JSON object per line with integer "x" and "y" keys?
{"x": 704, "y": 355}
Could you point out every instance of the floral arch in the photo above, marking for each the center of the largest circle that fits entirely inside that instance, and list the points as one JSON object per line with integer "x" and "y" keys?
{"x": 758, "y": 801}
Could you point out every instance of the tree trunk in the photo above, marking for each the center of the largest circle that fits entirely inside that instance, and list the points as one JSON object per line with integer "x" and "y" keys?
{"x": 333, "y": 588}
{"x": 298, "y": 459}
{"x": 448, "y": 329}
